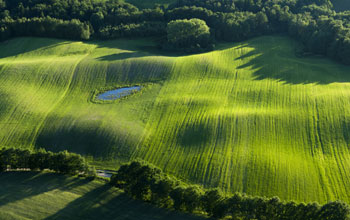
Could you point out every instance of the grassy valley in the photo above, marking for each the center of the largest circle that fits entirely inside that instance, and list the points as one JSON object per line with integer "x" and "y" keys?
{"x": 250, "y": 117}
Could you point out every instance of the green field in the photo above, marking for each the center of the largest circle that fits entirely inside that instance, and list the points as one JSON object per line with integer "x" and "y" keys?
{"x": 249, "y": 117}
{"x": 26, "y": 195}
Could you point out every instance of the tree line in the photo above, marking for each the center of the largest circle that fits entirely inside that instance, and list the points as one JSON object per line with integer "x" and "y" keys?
{"x": 312, "y": 22}
{"x": 146, "y": 182}
{"x": 62, "y": 162}
{"x": 44, "y": 27}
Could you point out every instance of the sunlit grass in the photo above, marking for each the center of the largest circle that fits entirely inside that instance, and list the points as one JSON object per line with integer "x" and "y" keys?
{"x": 250, "y": 117}
{"x": 49, "y": 196}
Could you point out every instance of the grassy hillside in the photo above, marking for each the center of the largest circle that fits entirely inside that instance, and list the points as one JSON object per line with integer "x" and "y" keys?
{"x": 341, "y": 5}
{"x": 250, "y": 117}
{"x": 48, "y": 196}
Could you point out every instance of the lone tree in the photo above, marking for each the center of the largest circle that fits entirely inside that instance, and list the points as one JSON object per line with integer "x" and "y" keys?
{"x": 190, "y": 35}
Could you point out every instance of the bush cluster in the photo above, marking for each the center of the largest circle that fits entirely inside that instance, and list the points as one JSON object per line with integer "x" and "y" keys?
{"x": 62, "y": 162}
{"x": 145, "y": 29}
{"x": 148, "y": 183}
{"x": 190, "y": 35}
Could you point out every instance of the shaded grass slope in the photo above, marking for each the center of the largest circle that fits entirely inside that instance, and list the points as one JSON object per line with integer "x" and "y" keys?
{"x": 27, "y": 195}
{"x": 255, "y": 118}
{"x": 250, "y": 117}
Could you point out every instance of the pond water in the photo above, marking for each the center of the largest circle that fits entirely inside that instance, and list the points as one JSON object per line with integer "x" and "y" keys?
{"x": 105, "y": 173}
{"x": 118, "y": 93}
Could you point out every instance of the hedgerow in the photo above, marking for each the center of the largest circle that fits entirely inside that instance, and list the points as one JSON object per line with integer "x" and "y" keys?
{"x": 146, "y": 182}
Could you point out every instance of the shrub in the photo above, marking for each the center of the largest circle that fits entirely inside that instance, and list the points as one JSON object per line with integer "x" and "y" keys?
{"x": 62, "y": 162}
{"x": 193, "y": 34}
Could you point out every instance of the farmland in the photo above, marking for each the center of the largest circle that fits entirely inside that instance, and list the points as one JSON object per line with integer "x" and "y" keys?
{"x": 26, "y": 195}
{"x": 250, "y": 117}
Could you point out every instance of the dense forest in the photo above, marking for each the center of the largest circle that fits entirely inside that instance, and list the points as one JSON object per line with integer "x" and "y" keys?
{"x": 313, "y": 22}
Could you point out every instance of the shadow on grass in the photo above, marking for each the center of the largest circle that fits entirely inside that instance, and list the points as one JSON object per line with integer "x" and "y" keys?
{"x": 20, "y": 45}
{"x": 102, "y": 202}
{"x": 106, "y": 203}
{"x": 5, "y": 103}
{"x": 16, "y": 186}
{"x": 134, "y": 48}
{"x": 270, "y": 57}
{"x": 194, "y": 135}
{"x": 274, "y": 57}
{"x": 87, "y": 138}
{"x": 141, "y": 47}
{"x": 122, "y": 56}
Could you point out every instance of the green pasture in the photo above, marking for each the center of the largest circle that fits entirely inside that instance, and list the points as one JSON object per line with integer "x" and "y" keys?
{"x": 249, "y": 117}
{"x": 49, "y": 196}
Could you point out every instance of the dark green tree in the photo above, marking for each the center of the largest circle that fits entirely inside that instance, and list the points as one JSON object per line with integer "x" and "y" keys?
{"x": 210, "y": 199}
{"x": 67, "y": 163}
{"x": 336, "y": 210}
{"x": 193, "y": 33}
{"x": 141, "y": 187}
{"x": 3, "y": 164}
{"x": 177, "y": 195}
{"x": 97, "y": 20}
{"x": 221, "y": 209}
{"x": 192, "y": 198}
{"x": 23, "y": 157}
{"x": 161, "y": 188}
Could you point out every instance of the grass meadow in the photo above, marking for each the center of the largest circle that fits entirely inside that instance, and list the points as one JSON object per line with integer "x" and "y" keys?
{"x": 249, "y": 117}
{"x": 49, "y": 196}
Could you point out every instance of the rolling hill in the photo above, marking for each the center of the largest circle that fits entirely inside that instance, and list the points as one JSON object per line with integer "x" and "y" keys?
{"x": 250, "y": 117}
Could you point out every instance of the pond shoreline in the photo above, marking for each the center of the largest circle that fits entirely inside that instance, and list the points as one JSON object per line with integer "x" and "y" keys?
{"x": 105, "y": 173}
{"x": 114, "y": 94}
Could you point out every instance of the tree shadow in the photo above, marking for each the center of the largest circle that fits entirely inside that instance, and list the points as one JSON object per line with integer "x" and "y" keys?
{"x": 88, "y": 138}
{"x": 121, "y": 56}
{"x": 21, "y": 45}
{"x": 141, "y": 47}
{"x": 105, "y": 202}
{"x": 19, "y": 185}
{"x": 194, "y": 135}
{"x": 275, "y": 57}
{"x": 5, "y": 103}
{"x": 102, "y": 202}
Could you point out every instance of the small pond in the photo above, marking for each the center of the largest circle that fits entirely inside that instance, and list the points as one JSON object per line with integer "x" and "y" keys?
{"x": 118, "y": 93}
{"x": 105, "y": 173}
